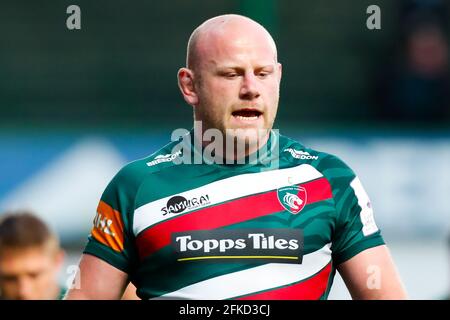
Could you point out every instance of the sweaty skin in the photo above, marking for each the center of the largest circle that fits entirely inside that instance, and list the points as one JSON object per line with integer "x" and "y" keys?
{"x": 233, "y": 78}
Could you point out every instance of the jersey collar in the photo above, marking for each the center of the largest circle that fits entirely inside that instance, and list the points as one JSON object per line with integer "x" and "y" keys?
{"x": 266, "y": 156}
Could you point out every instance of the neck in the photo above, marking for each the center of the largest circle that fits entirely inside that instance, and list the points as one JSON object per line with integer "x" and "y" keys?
{"x": 231, "y": 148}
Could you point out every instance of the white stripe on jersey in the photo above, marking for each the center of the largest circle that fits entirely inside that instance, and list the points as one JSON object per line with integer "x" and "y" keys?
{"x": 265, "y": 277}
{"x": 226, "y": 190}
{"x": 366, "y": 214}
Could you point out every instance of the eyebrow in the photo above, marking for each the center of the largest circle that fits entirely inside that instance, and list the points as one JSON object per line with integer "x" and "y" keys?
{"x": 234, "y": 67}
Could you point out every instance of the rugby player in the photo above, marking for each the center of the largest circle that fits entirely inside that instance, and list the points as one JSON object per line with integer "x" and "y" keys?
{"x": 30, "y": 259}
{"x": 278, "y": 227}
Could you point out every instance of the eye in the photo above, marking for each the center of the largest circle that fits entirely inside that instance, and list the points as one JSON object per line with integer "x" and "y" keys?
{"x": 263, "y": 74}
{"x": 231, "y": 75}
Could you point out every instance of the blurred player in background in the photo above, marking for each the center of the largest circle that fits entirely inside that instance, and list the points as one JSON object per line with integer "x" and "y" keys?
{"x": 414, "y": 85}
{"x": 299, "y": 214}
{"x": 30, "y": 259}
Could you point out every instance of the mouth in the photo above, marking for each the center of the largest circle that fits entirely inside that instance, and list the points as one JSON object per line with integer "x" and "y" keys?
{"x": 247, "y": 114}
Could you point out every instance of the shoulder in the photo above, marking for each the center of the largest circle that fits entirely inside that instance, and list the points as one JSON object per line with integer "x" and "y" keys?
{"x": 327, "y": 164}
{"x": 134, "y": 173}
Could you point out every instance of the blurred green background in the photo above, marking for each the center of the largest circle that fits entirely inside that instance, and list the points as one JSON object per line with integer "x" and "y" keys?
{"x": 120, "y": 69}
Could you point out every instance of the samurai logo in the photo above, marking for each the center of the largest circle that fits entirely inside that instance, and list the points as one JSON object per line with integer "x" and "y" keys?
{"x": 292, "y": 198}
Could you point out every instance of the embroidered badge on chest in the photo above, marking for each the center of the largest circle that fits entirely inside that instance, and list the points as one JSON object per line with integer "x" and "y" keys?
{"x": 292, "y": 198}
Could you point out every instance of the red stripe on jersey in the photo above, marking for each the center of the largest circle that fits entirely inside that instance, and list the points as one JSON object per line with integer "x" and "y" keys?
{"x": 311, "y": 289}
{"x": 221, "y": 215}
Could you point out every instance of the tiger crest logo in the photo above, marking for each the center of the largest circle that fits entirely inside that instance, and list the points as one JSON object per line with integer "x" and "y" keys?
{"x": 292, "y": 198}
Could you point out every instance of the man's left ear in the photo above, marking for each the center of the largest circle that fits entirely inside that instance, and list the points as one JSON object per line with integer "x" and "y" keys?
{"x": 280, "y": 71}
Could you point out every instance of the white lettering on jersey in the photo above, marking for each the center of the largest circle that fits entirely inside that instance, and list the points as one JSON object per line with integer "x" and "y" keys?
{"x": 104, "y": 224}
{"x": 299, "y": 154}
{"x": 164, "y": 158}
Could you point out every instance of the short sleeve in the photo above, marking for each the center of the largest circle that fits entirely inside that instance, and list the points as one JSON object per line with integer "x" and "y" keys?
{"x": 355, "y": 227}
{"x": 111, "y": 238}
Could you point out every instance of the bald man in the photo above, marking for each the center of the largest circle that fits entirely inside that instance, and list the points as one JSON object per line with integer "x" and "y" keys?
{"x": 232, "y": 209}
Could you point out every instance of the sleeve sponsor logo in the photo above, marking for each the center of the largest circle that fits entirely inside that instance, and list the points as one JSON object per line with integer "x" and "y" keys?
{"x": 292, "y": 198}
{"x": 366, "y": 214}
{"x": 178, "y": 204}
{"x": 269, "y": 245}
{"x": 108, "y": 227}
{"x": 104, "y": 224}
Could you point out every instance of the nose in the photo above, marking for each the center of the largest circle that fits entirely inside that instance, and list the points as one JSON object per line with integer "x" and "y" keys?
{"x": 249, "y": 88}
{"x": 25, "y": 289}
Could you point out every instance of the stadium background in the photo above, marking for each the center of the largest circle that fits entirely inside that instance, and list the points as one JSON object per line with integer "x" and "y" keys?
{"x": 77, "y": 105}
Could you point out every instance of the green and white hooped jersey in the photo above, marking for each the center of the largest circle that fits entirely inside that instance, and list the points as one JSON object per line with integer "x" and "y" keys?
{"x": 269, "y": 230}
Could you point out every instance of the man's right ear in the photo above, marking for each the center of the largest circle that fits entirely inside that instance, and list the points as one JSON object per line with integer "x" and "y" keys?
{"x": 186, "y": 85}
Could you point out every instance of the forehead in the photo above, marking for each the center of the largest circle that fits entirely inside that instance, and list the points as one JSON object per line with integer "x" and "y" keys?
{"x": 12, "y": 260}
{"x": 236, "y": 46}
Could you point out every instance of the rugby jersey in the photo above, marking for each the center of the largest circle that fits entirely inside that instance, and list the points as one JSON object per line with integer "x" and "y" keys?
{"x": 273, "y": 228}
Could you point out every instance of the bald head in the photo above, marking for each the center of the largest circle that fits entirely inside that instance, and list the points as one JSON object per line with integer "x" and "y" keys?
{"x": 232, "y": 69}
{"x": 219, "y": 31}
